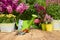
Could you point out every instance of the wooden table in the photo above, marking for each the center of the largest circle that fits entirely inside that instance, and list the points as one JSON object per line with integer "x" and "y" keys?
{"x": 34, "y": 34}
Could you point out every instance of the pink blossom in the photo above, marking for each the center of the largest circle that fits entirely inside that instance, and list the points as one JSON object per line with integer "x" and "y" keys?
{"x": 48, "y": 18}
{"x": 21, "y": 8}
{"x": 37, "y": 21}
{"x": 39, "y": 8}
{"x": 15, "y": 1}
{"x": 47, "y": 1}
{"x": 1, "y": 3}
{"x": 0, "y": 9}
{"x": 9, "y": 9}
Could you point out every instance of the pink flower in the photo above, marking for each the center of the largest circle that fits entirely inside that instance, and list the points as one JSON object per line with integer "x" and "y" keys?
{"x": 1, "y": 3}
{"x": 26, "y": 7}
{"x": 36, "y": 21}
{"x": 48, "y": 18}
{"x": 47, "y": 1}
{"x": 9, "y": 9}
{"x": 0, "y": 9}
{"x": 21, "y": 8}
{"x": 15, "y": 1}
{"x": 39, "y": 8}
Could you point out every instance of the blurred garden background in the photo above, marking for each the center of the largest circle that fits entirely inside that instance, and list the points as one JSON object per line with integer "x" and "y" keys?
{"x": 29, "y": 19}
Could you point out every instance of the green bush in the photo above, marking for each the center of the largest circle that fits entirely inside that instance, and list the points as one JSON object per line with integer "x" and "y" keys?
{"x": 54, "y": 11}
{"x": 41, "y": 2}
{"x": 4, "y": 18}
{"x": 30, "y": 1}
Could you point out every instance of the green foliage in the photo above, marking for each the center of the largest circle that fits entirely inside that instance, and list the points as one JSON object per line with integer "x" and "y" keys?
{"x": 36, "y": 26}
{"x": 41, "y": 2}
{"x": 27, "y": 15}
{"x": 23, "y": 1}
{"x": 7, "y": 18}
{"x": 54, "y": 11}
{"x": 30, "y": 1}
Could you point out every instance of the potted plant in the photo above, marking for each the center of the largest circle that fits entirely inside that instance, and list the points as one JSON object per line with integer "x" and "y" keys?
{"x": 26, "y": 16}
{"x": 48, "y": 22}
{"x": 7, "y": 7}
{"x": 41, "y": 14}
{"x": 7, "y": 22}
{"x": 45, "y": 19}
{"x": 54, "y": 11}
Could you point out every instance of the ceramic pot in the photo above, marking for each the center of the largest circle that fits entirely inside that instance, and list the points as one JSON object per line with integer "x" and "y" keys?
{"x": 49, "y": 27}
{"x": 56, "y": 24}
{"x": 43, "y": 27}
{"x": 7, "y": 27}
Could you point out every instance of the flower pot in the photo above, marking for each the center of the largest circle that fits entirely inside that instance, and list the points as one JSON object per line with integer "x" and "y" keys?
{"x": 7, "y": 27}
{"x": 0, "y": 27}
{"x": 49, "y": 27}
{"x": 56, "y": 24}
{"x": 43, "y": 27}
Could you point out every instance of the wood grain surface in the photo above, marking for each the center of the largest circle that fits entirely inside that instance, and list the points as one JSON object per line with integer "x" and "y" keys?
{"x": 34, "y": 34}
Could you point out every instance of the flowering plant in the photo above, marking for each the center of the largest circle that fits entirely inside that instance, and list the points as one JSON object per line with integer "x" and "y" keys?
{"x": 13, "y": 6}
{"x": 54, "y": 11}
{"x": 7, "y": 18}
{"x": 22, "y": 7}
{"x": 24, "y": 11}
{"x": 8, "y": 5}
{"x": 42, "y": 14}
{"x": 47, "y": 19}
{"x": 41, "y": 11}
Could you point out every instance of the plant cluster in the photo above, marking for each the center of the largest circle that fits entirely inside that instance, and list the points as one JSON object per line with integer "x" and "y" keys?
{"x": 54, "y": 11}
{"x": 25, "y": 11}
{"x": 7, "y": 18}
{"x": 8, "y": 5}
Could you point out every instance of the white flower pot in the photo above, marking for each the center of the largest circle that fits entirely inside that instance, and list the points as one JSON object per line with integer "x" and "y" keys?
{"x": 0, "y": 26}
{"x": 7, "y": 27}
{"x": 56, "y": 24}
